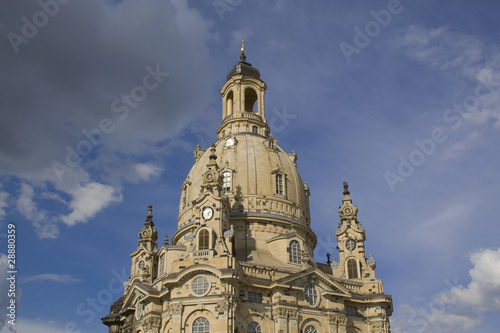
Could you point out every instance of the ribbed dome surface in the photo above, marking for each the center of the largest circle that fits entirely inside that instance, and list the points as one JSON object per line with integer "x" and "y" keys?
{"x": 255, "y": 165}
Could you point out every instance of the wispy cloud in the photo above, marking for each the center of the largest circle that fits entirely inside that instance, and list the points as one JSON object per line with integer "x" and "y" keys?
{"x": 444, "y": 227}
{"x": 27, "y": 207}
{"x": 461, "y": 147}
{"x": 147, "y": 171}
{"x": 50, "y": 277}
{"x": 44, "y": 226}
{"x": 444, "y": 49}
{"x": 473, "y": 64}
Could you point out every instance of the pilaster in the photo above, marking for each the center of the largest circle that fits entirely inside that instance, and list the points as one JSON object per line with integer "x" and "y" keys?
{"x": 151, "y": 324}
{"x": 338, "y": 323}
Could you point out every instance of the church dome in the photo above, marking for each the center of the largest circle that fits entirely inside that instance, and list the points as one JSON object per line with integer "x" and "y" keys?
{"x": 258, "y": 177}
{"x": 266, "y": 203}
{"x": 243, "y": 68}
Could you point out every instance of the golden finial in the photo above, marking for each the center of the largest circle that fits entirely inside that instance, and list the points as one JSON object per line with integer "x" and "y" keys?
{"x": 243, "y": 46}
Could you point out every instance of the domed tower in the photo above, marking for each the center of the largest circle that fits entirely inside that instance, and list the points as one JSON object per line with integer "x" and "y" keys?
{"x": 268, "y": 203}
{"x": 242, "y": 258}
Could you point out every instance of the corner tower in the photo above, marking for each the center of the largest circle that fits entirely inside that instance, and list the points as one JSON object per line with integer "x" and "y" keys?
{"x": 242, "y": 258}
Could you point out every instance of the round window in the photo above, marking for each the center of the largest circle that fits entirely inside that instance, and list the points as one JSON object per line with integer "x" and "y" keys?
{"x": 200, "y": 286}
{"x": 351, "y": 244}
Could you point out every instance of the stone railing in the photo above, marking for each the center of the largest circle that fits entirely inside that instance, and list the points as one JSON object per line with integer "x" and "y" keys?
{"x": 352, "y": 286}
{"x": 250, "y": 270}
{"x": 202, "y": 253}
{"x": 250, "y": 115}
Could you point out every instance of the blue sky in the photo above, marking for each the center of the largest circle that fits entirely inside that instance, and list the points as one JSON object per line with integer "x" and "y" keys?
{"x": 400, "y": 98}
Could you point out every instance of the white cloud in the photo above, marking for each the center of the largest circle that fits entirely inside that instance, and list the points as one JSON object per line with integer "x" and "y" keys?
{"x": 28, "y": 208}
{"x": 88, "y": 200}
{"x": 59, "y": 278}
{"x": 483, "y": 292}
{"x": 457, "y": 309}
{"x": 147, "y": 171}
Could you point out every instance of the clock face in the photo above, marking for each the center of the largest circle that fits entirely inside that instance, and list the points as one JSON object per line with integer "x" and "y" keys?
{"x": 210, "y": 176}
{"x": 208, "y": 213}
{"x": 347, "y": 210}
{"x": 351, "y": 244}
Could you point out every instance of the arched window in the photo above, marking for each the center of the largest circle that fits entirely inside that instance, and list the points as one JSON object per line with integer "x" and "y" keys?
{"x": 229, "y": 104}
{"x": 254, "y": 327}
{"x": 226, "y": 181}
{"x": 250, "y": 99}
{"x": 279, "y": 183}
{"x": 311, "y": 295}
{"x": 201, "y": 325}
{"x": 254, "y": 129}
{"x": 203, "y": 239}
{"x": 352, "y": 268}
{"x": 295, "y": 253}
{"x": 310, "y": 329}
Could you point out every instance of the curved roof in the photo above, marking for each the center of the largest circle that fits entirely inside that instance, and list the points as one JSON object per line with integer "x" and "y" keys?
{"x": 243, "y": 68}
{"x": 254, "y": 162}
